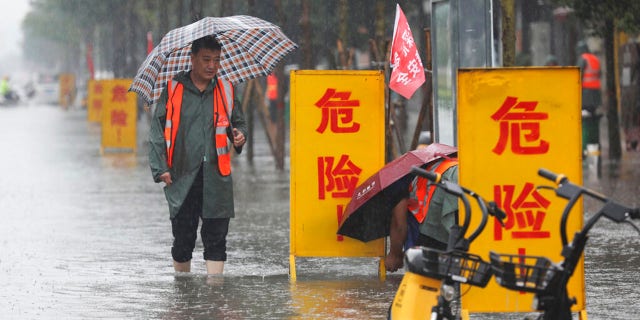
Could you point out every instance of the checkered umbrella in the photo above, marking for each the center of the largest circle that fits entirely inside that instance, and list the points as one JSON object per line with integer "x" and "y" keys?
{"x": 251, "y": 48}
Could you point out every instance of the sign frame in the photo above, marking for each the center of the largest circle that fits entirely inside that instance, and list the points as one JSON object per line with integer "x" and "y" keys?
{"x": 510, "y": 124}
{"x": 314, "y": 215}
{"x": 119, "y": 117}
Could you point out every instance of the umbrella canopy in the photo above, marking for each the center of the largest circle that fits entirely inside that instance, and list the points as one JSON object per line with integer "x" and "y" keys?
{"x": 368, "y": 213}
{"x": 251, "y": 48}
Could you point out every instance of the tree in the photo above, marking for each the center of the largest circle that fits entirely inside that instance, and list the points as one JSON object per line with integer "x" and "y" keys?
{"x": 62, "y": 28}
{"x": 508, "y": 33}
{"x": 306, "y": 44}
{"x": 604, "y": 18}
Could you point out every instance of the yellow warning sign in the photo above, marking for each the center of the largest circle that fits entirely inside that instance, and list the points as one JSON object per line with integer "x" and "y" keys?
{"x": 67, "y": 89}
{"x": 119, "y": 115}
{"x": 512, "y": 122}
{"x": 94, "y": 101}
{"x": 337, "y": 141}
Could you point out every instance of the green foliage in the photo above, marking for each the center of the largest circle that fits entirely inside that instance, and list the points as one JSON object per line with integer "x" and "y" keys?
{"x": 594, "y": 13}
{"x": 56, "y": 31}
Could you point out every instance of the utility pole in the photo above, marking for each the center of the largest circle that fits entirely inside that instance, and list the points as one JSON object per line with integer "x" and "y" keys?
{"x": 508, "y": 33}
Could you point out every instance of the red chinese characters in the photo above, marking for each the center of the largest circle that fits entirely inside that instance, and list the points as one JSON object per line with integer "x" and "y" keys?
{"x": 119, "y": 94}
{"x": 118, "y": 121}
{"x": 337, "y": 112}
{"x": 525, "y": 209}
{"x": 337, "y": 175}
{"x": 413, "y": 68}
{"x": 408, "y": 73}
{"x": 520, "y": 124}
{"x": 118, "y": 118}
{"x": 96, "y": 104}
{"x": 337, "y": 178}
{"x": 97, "y": 88}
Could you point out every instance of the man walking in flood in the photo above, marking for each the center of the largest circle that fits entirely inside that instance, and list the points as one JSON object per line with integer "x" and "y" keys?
{"x": 196, "y": 121}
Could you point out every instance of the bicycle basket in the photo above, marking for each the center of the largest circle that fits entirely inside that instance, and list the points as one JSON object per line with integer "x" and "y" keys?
{"x": 459, "y": 266}
{"x": 522, "y": 273}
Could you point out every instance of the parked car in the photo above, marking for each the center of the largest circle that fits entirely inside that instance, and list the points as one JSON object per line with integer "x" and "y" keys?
{"x": 47, "y": 89}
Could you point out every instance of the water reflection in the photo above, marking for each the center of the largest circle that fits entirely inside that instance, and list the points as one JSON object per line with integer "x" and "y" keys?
{"x": 356, "y": 298}
{"x": 86, "y": 236}
{"x": 275, "y": 297}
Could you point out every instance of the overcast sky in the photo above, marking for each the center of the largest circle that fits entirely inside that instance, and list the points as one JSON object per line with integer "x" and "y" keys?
{"x": 11, "y": 17}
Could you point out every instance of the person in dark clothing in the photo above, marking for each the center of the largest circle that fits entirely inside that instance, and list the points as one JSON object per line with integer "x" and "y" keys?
{"x": 591, "y": 83}
{"x": 439, "y": 210}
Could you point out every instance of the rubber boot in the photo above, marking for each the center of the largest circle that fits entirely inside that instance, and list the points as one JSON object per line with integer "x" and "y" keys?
{"x": 214, "y": 267}
{"x": 182, "y": 266}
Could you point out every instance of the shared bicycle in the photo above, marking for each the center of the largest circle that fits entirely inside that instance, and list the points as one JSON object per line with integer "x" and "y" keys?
{"x": 429, "y": 287}
{"x": 539, "y": 275}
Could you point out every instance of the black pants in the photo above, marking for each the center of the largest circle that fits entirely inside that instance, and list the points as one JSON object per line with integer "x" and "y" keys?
{"x": 185, "y": 229}
{"x": 430, "y": 242}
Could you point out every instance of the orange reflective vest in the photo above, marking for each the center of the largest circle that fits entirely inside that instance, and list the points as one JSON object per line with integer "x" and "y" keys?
{"x": 272, "y": 87}
{"x": 421, "y": 189}
{"x": 591, "y": 72}
{"x": 223, "y": 97}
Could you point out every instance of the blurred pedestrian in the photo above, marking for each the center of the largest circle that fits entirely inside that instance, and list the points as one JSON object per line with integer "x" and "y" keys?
{"x": 196, "y": 116}
{"x": 591, "y": 99}
{"x": 4, "y": 86}
{"x": 6, "y": 92}
{"x": 272, "y": 96}
{"x": 424, "y": 216}
{"x": 551, "y": 61}
{"x": 523, "y": 59}
{"x": 591, "y": 85}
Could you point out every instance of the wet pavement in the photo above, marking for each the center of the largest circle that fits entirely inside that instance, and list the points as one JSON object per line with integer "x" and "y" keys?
{"x": 87, "y": 236}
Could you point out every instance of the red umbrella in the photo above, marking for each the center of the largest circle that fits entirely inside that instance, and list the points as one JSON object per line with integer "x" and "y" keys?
{"x": 368, "y": 213}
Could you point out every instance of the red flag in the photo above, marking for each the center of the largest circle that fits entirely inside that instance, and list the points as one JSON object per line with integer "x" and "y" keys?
{"x": 149, "y": 42}
{"x": 408, "y": 73}
{"x": 90, "y": 61}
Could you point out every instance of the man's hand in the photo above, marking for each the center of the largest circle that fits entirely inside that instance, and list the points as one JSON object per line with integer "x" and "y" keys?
{"x": 397, "y": 236}
{"x": 393, "y": 261}
{"x": 238, "y": 138}
{"x": 166, "y": 178}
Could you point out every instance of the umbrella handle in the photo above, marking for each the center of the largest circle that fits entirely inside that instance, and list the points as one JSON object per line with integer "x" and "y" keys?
{"x": 230, "y": 135}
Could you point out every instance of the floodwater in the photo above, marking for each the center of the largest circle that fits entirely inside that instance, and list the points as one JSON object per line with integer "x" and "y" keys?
{"x": 87, "y": 236}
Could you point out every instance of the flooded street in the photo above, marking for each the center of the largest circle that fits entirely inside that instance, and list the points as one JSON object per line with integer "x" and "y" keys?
{"x": 87, "y": 236}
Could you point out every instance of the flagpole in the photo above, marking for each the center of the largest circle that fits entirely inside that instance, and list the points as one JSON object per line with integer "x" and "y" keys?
{"x": 390, "y": 152}
{"x": 426, "y": 107}
{"x": 407, "y": 72}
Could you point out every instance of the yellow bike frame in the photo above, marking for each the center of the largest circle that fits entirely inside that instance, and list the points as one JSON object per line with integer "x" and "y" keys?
{"x": 415, "y": 297}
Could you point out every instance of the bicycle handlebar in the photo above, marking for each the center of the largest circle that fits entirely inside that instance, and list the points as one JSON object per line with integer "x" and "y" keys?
{"x": 538, "y": 274}
{"x": 496, "y": 211}
{"x": 572, "y": 192}
{"x": 556, "y": 178}
{"x": 432, "y": 176}
{"x": 487, "y": 208}
{"x": 455, "y": 190}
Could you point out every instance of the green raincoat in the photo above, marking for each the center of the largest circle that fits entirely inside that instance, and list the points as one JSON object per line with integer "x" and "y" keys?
{"x": 194, "y": 147}
{"x": 443, "y": 207}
